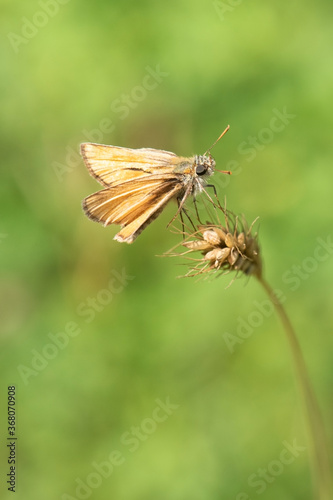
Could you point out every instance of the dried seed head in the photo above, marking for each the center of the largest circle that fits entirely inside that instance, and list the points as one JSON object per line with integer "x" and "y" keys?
{"x": 229, "y": 248}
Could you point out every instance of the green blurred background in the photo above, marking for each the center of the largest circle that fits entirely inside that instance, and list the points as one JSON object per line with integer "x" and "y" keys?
{"x": 67, "y": 69}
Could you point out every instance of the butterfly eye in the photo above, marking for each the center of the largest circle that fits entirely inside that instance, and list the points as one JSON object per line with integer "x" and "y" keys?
{"x": 201, "y": 169}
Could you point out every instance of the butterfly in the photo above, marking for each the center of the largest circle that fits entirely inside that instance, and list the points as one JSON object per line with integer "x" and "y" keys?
{"x": 138, "y": 184}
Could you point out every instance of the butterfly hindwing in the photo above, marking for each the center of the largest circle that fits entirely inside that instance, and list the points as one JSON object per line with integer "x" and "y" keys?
{"x": 133, "y": 205}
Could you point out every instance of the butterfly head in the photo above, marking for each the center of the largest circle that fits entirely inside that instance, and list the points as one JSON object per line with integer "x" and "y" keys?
{"x": 204, "y": 165}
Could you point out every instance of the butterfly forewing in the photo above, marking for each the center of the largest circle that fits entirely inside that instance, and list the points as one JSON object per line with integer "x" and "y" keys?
{"x": 112, "y": 165}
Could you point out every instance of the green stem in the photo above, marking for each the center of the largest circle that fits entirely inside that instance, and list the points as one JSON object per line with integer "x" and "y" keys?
{"x": 316, "y": 430}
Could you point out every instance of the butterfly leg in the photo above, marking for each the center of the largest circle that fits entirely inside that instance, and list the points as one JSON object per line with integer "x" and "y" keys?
{"x": 196, "y": 210}
{"x": 185, "y": 211}
{"x": 181, "y": 203}
{"x": 215, "y": 194}
{"x": 181, "y": 219}
{"x": 189, "y": 218}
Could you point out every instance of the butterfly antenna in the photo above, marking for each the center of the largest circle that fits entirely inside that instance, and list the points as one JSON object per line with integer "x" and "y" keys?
{"x": 217, "y": 140}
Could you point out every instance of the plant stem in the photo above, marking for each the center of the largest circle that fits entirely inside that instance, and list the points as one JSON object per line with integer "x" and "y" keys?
{"x": 316, "y": 430}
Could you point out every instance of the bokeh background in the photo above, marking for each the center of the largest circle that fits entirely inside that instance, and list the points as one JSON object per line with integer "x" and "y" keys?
{"x": 74, "y": 72}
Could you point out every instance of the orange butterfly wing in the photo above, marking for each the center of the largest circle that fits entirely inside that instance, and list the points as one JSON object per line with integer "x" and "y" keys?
{"x": 112, "y": 165}
{"x": 139, "y": 183}
{"x": 132, "y": 205}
